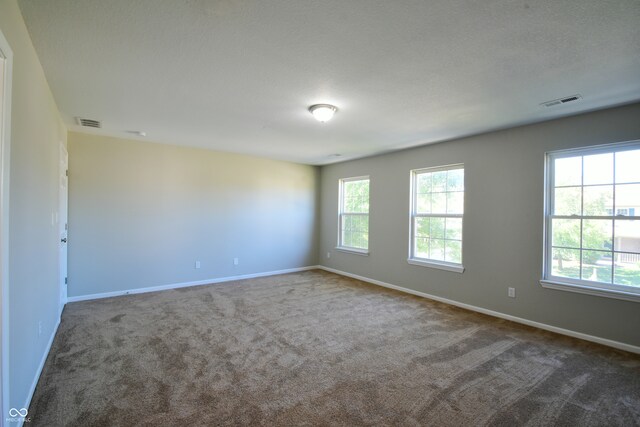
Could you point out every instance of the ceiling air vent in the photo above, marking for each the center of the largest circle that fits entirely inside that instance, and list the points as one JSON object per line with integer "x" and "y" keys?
{"x": 90, "y": 123}
{"x": 561, "y": 101}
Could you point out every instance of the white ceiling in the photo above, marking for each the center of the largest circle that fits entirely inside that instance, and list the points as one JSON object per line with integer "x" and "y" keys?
{"x": 238, "y": 75}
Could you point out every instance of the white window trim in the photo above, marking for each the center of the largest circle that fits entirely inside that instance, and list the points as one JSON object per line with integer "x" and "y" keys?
{"x": 608, "y": 290}
{"x": 340, "y": 247}
{"x": 425, "y": 262}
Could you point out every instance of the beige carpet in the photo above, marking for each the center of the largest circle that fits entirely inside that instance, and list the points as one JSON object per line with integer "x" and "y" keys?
{"x": 314, "y": 348}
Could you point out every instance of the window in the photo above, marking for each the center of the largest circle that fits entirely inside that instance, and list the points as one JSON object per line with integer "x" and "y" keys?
{"x": 437, "y": 208}
{"x": 592, "y": 239}
{"x": 353, "y": 232}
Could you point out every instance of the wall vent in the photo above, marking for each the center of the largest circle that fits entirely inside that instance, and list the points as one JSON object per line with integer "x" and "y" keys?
{"x": 561, "y": 101}
{"x": 90, "y": 123}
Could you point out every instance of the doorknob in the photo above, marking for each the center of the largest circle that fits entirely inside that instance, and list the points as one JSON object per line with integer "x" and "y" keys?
{"x": 64, "y": 240}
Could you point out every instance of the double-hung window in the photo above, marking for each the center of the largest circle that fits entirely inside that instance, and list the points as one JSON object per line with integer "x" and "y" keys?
{"x": 353, "y": 233}
{"x": 437, "y": 208}
{"x": 592, "y": 221}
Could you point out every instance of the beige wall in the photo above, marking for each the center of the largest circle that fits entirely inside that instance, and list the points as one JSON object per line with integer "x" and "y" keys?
{"x": 36, "y": 132}
{"x": 141, "y": 214}
{"x": 503, "y": 223}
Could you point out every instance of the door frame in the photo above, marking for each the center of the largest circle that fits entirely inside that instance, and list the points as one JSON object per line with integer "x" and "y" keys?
{"x": 5, "y": 151}
{"x": 63, "y": 223}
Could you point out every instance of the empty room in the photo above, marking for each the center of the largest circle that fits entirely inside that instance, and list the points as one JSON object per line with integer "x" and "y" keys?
{"x": 332, "y": 213}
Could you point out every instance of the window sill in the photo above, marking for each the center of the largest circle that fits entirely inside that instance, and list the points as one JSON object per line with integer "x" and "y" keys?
{"x": 440, "y": 266}
{"x": 362, "y": 252}
{"x": 589, "y": 290}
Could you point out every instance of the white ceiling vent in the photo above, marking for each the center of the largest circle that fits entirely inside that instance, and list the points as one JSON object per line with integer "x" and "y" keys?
{"x": 561, "y": 101}
{"x": 90, "y": 123}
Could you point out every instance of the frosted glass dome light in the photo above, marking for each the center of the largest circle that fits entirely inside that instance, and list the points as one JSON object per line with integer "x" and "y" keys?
{"x": 323, "y": 112}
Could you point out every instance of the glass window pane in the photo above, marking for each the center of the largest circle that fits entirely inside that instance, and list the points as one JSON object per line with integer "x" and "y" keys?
{"x": 423, "y": 183}
{"x": 453, "y": 251}
{"x": 627, "y": 270}
{"x": 568, "y": 171}
{"x": 627, "y": 169}
{"x": 437, "y": 228}
{"x": 566, "y": 233}
{"x": 567, "y": 201}
{"x": 628, "y": 196}
{"x": 598, "y": 169}
{"x": 627, "y": 235}
{"x": 356, "y": 196}
{"x": 598, "y": 200}
{"x": 422, "y": 227}
{"x": 455, "y": 180}
{"x": 439, "y": 203}
{"x": 439, "y": 181}
{"x": 455, "y": 202}
{"x": 421, "y": 249}
{"x": 596, "y": 266}
{"x": 436, "y": 249}
{"x": 566, "y": 263}
{"x": 453, "y": 228}
{"x": 597, "y": 234}
{"x": 347, "y": 238}
{"x": 423, "y": 203}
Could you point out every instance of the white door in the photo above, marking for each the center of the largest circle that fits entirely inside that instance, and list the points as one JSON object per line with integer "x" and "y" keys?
{"x": 63, "y": 223}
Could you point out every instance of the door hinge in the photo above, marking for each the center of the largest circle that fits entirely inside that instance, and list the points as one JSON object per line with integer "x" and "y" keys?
{"x": 66, "y": 280}
{"x": 66, "y": 172}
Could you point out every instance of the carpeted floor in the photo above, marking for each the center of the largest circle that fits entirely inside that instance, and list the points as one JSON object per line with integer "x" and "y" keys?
{"x": 315, "y": 348}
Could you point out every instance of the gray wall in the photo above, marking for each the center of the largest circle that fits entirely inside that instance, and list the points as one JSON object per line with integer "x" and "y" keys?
{"x": 141, "y": 214}
{"x": 503, "y": 223}
{"x": 36, "y": 132}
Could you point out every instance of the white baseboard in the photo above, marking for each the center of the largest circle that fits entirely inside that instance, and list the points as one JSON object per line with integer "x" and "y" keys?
{"x": 580, "y": 335}
{"x": 188, "y": 284}
{"x": 36, "y": 377}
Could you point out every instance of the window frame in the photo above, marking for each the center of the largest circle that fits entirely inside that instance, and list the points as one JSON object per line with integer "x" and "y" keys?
{"x": 610, "y": 290}
{"x": 427, "y": 262}
{"x": 341, "y": 213}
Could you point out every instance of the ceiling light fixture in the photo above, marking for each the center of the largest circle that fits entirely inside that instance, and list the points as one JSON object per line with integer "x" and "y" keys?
{"x": 323, "y": 112}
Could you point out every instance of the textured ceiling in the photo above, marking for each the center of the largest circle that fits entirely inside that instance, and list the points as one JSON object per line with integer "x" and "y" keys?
{"x": 238, "y": 75}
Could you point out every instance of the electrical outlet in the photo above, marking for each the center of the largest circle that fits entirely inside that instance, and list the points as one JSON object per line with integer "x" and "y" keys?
{"x": 328, "y": 254}
{"x": 236, "y": 261}
{"x": 512, "y": 292}
{"x": 197, "y": 264}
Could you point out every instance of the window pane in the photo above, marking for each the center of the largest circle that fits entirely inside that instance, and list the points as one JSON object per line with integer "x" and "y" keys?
{"x": 422, "y": 227}
{"x": 437, "y": 228}
{"x": 567, "y": 201}
{"x": 439, "y": 181}
{"x": 596, "y": 266}
{"x": 423, "y": 203}
{"x": 347, "y": 238}
{"x": 455, "y": 202}
{"x": 598, "y": 169}
{"x": 356, "y": 196}
{"x": 439, "y": 203}
{"x": 453, "y": 251}
{"x": 597, "y": 234}
{"x": 423, "y": 183}
{"x": 421, "y": 249}
{"x": 628, "y": 196}
{"x": 627, "y": 235}
{"x": 568, "y": 171}
{"x": 566, "y": 263}
{"x": 598, "y": 200}
{"x": 627, "y": 270}
{"x": 566, "y": 233}
{"x": 455, "y": 180}
{"x": 453, "y": 228}
{"x": 627, "y": 169}
{"x": 436, "y": 249}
